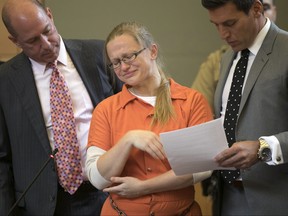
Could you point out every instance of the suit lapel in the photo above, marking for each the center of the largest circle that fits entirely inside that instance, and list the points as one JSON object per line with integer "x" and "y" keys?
{"x": 23, "y": 80}
{"x": 254, "y": 73}
{"x": 87, "y": 69}
{"x": 226, "y": 63}
{"x": 258, "y": 65}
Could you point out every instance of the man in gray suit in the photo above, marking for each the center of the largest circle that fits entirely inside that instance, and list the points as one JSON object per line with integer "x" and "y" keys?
{"x": 26, "y": 135}
{"x": 261, "y": 148}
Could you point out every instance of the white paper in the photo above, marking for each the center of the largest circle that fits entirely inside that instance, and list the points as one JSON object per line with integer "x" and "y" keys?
{"x": 193, "y": 149}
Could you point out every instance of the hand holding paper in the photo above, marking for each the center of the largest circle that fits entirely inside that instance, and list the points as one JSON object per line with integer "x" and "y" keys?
{"x": 192, "y": 150}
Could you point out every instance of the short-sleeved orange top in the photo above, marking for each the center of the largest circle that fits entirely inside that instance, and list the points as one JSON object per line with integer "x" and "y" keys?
{"x": 118, "y": 114}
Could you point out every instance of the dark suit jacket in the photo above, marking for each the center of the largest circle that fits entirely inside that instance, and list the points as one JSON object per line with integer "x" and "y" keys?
{"x": 264, "y": 112}
{"x": 24, "y": 144}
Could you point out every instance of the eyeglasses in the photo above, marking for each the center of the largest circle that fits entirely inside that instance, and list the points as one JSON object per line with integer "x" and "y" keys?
{"x": 266, "y": 6}
{"x": 128, "y": 59}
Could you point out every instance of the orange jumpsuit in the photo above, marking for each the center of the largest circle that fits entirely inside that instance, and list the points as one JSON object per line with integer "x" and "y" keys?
{"x": 122, "y": 112}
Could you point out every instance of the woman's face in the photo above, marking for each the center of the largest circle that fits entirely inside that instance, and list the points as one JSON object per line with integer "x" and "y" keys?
{"x": 133, "y": 63}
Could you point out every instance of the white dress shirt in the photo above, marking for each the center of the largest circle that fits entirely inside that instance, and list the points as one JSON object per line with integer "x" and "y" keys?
{"x": 82, "y": 104}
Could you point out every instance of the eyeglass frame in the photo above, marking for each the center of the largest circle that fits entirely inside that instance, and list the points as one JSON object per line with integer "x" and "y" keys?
{"x": 128, "y": 59}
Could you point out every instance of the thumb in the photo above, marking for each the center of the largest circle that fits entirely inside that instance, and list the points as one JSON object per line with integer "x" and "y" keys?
{"x": 117, "y": 180}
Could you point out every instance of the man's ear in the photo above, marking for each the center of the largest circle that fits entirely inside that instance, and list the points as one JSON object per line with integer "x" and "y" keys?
{"x": 258, "y": 8}
{"x": 14, "y": 40}
{"x": 49, "y": 13}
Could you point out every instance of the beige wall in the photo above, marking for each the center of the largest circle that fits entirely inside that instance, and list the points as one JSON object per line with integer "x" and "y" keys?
{"x": 7, "y": 49}
{"x": 182, "y": 28}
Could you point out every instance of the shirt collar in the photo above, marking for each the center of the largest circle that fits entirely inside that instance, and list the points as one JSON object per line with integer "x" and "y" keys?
{"x": 62, "y": 57}
{"x": 176, "y": 93}
{"x": 62, "y": 53}
{"x": 260, "y": 38}
{"x": 126, "y": 97}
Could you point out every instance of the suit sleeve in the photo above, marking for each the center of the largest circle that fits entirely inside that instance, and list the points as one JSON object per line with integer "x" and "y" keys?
{"x": 7, "y": 197}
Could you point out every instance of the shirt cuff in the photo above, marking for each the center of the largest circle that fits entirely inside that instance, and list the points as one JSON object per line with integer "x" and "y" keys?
{"x": 200, "y": 176}
{"x": 93, "y": 174}
{"x": 277, "y": 156}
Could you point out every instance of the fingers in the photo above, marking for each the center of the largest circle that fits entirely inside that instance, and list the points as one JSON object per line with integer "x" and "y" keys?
{"x": 147, "y": 141}
{"x": 125, "y": 187}
{"x": 226, "y": 156}
{"x": 241, "y": 155}
{"x": 230, "y": 157}
{"x": 155, "y": 149}
{"x": 233, "y": 161}
{"x": 115, "y": 189}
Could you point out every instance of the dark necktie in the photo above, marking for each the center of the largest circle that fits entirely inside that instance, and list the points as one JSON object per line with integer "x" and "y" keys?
{"x": 64, "y": 133}
{"x": 232, "y": 109}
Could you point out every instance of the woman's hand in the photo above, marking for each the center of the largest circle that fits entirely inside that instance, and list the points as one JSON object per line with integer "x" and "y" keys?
{"x": 146, "y": 141}
{"x": 128, "y": 187}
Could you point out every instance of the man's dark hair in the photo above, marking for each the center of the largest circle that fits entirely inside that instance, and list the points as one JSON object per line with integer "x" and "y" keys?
{"x": 241, "y": 5}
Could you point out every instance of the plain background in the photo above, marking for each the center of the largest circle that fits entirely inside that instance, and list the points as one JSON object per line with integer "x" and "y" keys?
{"x": 181, "y": 27}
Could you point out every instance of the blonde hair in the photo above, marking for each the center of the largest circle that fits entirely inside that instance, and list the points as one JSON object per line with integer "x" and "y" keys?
{"x": 164, "y": 110}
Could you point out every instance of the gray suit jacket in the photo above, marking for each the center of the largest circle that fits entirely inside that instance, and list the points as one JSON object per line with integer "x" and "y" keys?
{"x": 264, "y": 112}
{"x": 24, "y": 144}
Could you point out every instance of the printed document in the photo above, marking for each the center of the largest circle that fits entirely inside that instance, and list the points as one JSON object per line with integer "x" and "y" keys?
{"x": 192, "y": 149}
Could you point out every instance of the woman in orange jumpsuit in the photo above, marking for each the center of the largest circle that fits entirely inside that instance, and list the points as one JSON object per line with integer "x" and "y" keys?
{"x": 125, "y": 156}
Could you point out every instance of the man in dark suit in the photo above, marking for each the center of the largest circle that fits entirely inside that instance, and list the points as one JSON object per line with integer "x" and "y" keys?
{"x": 26, "y": 137}
{"x": 260, "y": 151}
